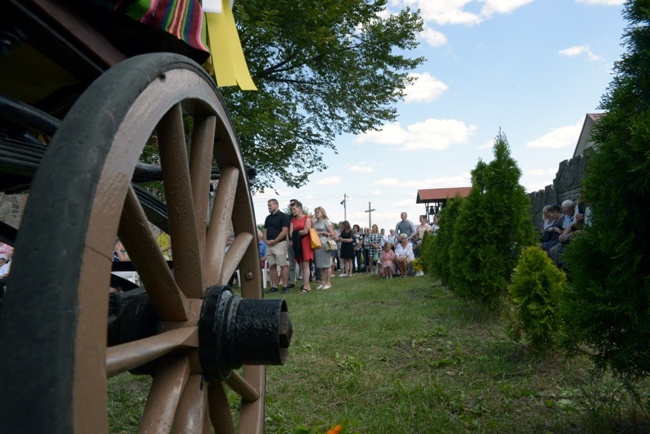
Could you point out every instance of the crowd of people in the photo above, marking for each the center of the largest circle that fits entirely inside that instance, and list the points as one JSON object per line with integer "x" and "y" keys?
{"x": 561, "y": 223}
{"x": 285, "y": 247}
{"x": 349, "y": 249}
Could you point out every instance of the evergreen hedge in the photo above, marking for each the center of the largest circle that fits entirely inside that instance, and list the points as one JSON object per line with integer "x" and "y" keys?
{"x": 440, "y": 260}
{"x": 607, "y": 307}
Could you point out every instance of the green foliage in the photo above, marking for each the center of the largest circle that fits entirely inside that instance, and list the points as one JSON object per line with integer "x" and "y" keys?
{"x": 608, "y": 305}
{"x": 439, "y": 260}
{"x": 322, "y": 68}
{"x": 534, "y": 294}
{"x": 426, "y": 252}
{"x": 492, "y": 228}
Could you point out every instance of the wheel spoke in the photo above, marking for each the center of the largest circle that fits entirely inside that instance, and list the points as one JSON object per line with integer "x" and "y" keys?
{"x": 219, "y": 409}
{"x": 200, "y": 172}
{"x": 135, "y": 233}
{"x": 234, "y": 255}
{"x": 220, "y": 221}
{"x": 191, "y": 411}
{"x": 124, "y": 357}
{"x": 180, "y": 209}
{"x": 168, "y": 384}
{"x": 242, "y": 387}
{"x": 251, "y": 416}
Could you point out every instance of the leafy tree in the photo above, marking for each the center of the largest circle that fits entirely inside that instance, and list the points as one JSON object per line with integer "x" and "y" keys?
{"x": 322, "y": 68}
{"x": 534, "y": 295}
{"x": 492, "y": 228}
{"x": 608, "y": 304}
{"x": 444, "y": 238}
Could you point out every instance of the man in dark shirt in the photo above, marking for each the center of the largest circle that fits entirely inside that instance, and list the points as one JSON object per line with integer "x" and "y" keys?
{"x": 276, "y": 227}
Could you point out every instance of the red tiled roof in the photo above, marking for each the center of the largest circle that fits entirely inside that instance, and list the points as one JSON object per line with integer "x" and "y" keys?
{"x": 438, "y": 194}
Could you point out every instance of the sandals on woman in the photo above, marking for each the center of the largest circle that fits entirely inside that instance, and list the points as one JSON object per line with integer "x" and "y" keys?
{"x": 305, "y": 290}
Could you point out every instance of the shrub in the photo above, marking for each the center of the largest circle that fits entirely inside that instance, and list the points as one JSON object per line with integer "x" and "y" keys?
{"x": 534, "y": 293}
{"x": 426, "y": 252}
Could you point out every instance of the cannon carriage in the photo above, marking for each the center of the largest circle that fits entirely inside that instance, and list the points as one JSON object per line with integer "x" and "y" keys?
{"x": 83, "y": 89}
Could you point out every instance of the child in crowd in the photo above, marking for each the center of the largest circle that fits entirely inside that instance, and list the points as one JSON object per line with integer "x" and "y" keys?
{"x": 387, "y": 261}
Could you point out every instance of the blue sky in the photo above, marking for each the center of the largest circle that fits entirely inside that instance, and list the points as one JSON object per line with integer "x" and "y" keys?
{"x": 532, "y": 68}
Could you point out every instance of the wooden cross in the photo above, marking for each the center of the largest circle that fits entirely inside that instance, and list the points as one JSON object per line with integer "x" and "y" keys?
{"x": 369, "y": 211}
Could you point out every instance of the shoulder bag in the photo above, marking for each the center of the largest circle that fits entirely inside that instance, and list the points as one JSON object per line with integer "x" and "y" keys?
{"x": 330, "y": 245}
{"x": 314, "y": 239}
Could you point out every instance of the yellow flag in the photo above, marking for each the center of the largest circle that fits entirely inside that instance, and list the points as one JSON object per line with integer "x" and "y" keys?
{"x": 230, "y": 68}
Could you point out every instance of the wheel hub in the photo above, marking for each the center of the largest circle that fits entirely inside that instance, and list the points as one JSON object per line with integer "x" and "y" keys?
{"x": 234, "y": 331}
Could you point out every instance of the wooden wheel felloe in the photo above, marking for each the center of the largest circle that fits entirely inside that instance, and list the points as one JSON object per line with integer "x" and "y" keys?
{"x": 54, "y": 359}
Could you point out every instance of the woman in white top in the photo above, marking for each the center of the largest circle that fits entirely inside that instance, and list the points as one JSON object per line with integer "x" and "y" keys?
{"x": 424, "y": 227}
{"x": 403, "y": 254}
{"x": 548, "y": 217}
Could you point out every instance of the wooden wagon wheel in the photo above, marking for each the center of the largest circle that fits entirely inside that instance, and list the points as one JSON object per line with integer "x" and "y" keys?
{"x": 54, "y": 359}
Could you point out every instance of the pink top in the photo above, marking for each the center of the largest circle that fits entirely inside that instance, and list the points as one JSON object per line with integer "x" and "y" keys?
{"x": 386, "y": 258}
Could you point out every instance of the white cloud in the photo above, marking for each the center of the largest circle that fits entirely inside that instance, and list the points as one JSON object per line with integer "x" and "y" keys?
{"x": 432, "y": 135}
{"x": 388, "y": 182}
{"x": 330, "y": 180}
{"x": 468, "y": 12}
{"x": 384, "y": 14}
{"x": 602, "y": 2}
{"x": 437, "y": 134}
{"x": 536, "y": 186}
{"x": 390, "y": 134}
{"x": 487, "y": 145}
{"x": 559, "y": 138}
{"x": 426, "y": 88}
{"x": 403, "y": 203}
{"x": 433, "y": 37}
{"x": 541, "y": 172}
{"x": 361, "y": 168}
{"x": 446, "y": 12}
{"x": 578, "y": 50}
{"x": 492, "y": 7}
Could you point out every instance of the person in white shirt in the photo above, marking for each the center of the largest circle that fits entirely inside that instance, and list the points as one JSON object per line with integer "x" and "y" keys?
{"x": 391, "y": 238}
{"x": 404, "y": 254}
{"x": 424, "y": 227}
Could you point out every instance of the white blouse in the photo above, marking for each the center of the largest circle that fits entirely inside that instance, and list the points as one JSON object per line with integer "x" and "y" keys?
{"x": 401, "y": 251}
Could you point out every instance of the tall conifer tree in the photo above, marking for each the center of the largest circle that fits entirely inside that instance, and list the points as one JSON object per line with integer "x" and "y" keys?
{"x": 493, "y": 226}
{"x": 608, "y": 304}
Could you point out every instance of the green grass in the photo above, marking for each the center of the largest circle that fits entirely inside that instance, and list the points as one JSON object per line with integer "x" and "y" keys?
{"x": 402, "y": 356}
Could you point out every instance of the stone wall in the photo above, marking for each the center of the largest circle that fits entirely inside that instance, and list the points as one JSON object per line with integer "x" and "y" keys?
{"x": 566, "y": 185}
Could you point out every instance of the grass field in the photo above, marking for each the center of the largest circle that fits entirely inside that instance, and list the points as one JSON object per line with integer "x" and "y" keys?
{"x": 404, "y": 356}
